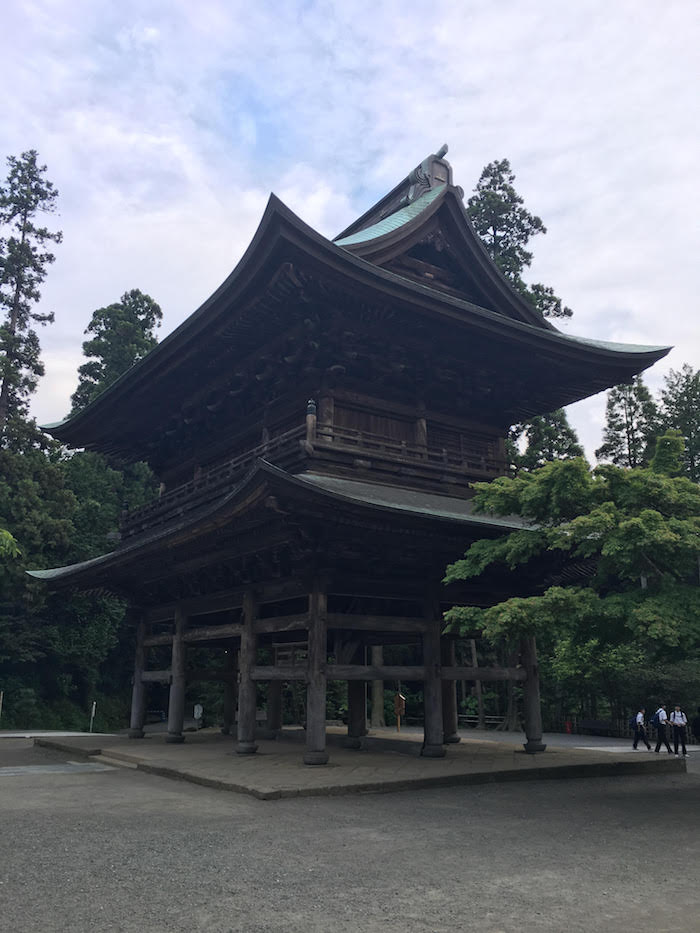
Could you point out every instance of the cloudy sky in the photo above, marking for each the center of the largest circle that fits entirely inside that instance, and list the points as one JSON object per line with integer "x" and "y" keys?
{"x": 166, "y": 124}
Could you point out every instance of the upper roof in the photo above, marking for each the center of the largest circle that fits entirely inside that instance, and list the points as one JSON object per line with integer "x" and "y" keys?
{"x": 394, "y": 255}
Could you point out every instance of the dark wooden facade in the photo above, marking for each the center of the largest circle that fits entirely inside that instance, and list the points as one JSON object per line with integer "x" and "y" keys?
{"x": 316, "y": 425}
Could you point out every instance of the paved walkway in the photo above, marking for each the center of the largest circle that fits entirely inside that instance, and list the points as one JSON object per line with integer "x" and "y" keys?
{"x": 389, "y": 763}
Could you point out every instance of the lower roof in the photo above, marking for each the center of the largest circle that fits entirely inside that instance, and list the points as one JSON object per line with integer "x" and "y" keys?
{"x": 396, "y": 500}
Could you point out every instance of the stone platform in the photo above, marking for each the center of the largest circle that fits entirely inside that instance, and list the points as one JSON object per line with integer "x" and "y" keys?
{"x": 387, "y": 762}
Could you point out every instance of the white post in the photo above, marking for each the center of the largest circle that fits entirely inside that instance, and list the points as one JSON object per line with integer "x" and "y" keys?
{"x": 2, "y": 694}
{"x": 92, "y": 714}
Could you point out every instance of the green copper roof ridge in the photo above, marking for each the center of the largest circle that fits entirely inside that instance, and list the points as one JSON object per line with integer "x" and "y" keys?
{"x": 395, "y": 220}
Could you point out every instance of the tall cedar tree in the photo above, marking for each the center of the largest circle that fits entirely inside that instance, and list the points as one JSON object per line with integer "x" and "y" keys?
{"x": 680, "y": 409}
{"x": 548, "y": 437}
{"x": 124, "y": 332}
{"x": 24, "y": 260}
{"x": 505, "y": 227}
{"x": 632, "y": 423}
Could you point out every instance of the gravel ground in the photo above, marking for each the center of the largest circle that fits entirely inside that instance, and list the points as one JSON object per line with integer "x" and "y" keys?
{"x": 126, "y": 851}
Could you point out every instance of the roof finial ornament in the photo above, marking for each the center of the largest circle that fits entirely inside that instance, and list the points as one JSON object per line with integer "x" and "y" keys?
{"x": 431, "y": 172}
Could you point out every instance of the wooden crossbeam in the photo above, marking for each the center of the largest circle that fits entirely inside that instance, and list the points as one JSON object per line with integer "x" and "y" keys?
{"x": 483, "y": 673}
{"x": 299, "y": 620}
{"x": 370, "y": 672}
{"x": 210, "y": 632}
{"x": 375, "y": 623}
{"x": 270, "y": 672}
{"x": 156, "y": 677}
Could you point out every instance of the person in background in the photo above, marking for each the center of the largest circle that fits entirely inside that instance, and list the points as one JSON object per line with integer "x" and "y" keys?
{"x": 640, "y": 731}
{"x": 661, "y": 729}
{"x": 679, "y": 724}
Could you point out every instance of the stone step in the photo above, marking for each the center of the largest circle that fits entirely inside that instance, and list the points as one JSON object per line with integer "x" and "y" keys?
{"x": 114, "y": 762}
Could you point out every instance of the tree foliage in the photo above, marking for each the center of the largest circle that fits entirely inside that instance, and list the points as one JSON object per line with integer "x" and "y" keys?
{"x": 629, "y": 607}
{"x": 680, "y": 409}
{"x": 547, "y": 437}
{"x": 631, "y": 425}
{"x": 124, "y": 332}
{"x": 24, "y": 259}
{"x": 505, "y": 226}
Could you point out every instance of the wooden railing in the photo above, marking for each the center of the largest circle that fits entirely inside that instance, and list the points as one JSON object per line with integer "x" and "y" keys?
{"x": 346, "y": 442}
{"x": 206, "y": 487}
{"x": 367, "y": 443}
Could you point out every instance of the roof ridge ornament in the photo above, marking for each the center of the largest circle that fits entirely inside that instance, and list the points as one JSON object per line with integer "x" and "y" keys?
{"x": 432, "y": 171}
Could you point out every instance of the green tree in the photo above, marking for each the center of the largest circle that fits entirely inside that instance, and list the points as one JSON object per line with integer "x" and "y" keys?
{"x": 124, "y": 332}
{"x": 631, "y": 425}
{"x": 24, "y": 260}
{"x": 680, "y": 409}
{"x": 548, "y": 437}
{"x": 505, "y": 226}
{"x": 618, "y": 551}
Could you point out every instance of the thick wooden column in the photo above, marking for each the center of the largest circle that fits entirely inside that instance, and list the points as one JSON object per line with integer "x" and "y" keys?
{"x": 138, "y": 691}
{"x": 316, "y": 753}
{"x": 176, "y": 706}
{"x": 377, "y": 721}
{"x": 230, "y": 689}
{"x": 432, "y": 692}
{"x": 531, "y": 696}
{"x": 274, "y": 706}
{"x": 246, "y": 686}
{"x": 450, "y": 721}
{"x": 357, "y": 707}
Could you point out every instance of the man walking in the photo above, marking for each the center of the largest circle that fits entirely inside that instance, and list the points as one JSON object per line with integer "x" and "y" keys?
{"x": 660, "y": 718}
{"x": 640, "y": 731}
{"x": 679, "y": 724}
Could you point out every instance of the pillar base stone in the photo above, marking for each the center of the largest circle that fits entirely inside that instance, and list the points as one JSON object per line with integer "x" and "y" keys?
{"x": 246, "y": 748}
{"x": 532, "y": 747}
{"x": 315, "y": 758}
{"x": 173, "y": 739}
{"x": 136, "y": 733}
{"x": 433, "y": 751}
{"x": 452, "y": 739}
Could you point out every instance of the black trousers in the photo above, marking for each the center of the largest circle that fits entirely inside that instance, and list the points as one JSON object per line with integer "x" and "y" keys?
{"x": 662, "y": 738}
{"x": 640, "y": 733}
{"x": 678, "y": 736}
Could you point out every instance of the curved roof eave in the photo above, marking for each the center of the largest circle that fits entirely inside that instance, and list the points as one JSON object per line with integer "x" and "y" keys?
{"x": 261, "y": 472}
{"x": 278, "y": 221}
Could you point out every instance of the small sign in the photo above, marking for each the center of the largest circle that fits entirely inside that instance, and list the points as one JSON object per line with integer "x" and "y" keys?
{"x": 198, "y": 710}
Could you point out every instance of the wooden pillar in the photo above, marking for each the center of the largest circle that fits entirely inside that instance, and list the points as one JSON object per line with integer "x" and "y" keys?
{"x": 357, "y": 707}
{"x": 450, "y": 720}
{"x": 247, "y": 692}
{"x": 432, "y": 692}
{"x": 274, "y": 706}
{"x": 481, "y": 721}
{"x": 230, "y": 690}
{"x": 176, "y": 705}
{"x": 531, "y": 696}
{"x": 138, "y": 691}
{"x": 377, "y": 721}
{"x": 316, "y": 753}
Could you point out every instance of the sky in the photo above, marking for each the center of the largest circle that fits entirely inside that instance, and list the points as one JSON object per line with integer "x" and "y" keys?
{"x": 165, "y": 125}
